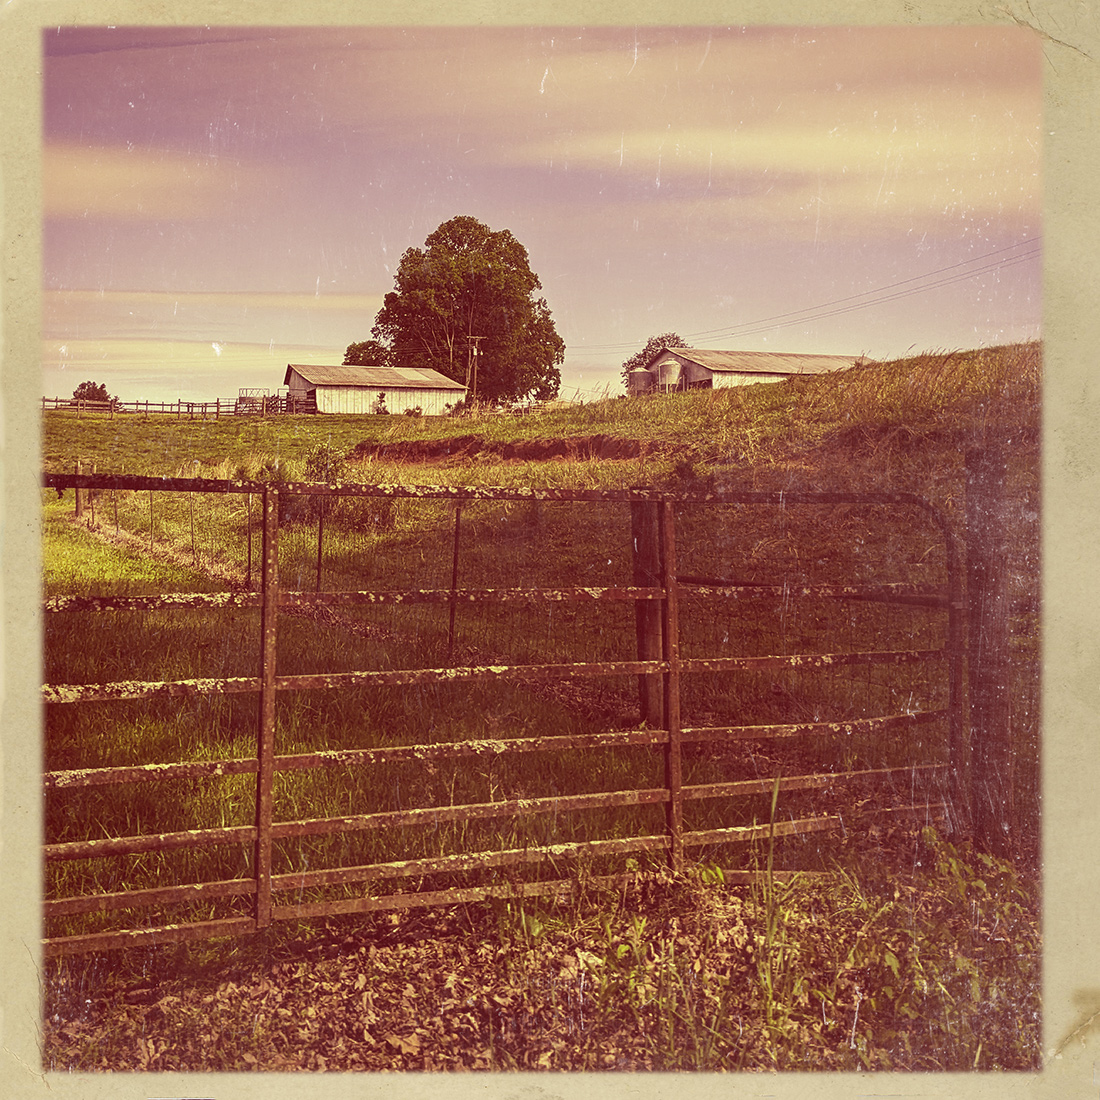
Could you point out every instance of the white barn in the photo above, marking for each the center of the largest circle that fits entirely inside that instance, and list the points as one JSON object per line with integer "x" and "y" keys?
{"x": 350, "y": 389}
{"x": 696, "y": 368}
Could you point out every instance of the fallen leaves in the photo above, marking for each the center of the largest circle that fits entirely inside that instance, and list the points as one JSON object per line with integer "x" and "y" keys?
{"x": 677, "y": 988}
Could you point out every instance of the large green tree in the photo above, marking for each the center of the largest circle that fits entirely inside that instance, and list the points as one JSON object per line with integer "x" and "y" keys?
{"x": 651, "y": 350}
{"x": 367, "y": 353}
{"x": 465, "y": 305}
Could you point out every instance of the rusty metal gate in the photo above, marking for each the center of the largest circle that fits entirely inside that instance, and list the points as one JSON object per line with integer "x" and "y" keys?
{"x": 661, "y": 599}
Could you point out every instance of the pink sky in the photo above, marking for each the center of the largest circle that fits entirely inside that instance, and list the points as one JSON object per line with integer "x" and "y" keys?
{"x": 221, "y": 201}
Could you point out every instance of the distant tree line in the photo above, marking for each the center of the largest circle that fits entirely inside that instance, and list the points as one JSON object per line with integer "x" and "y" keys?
{"x": 93, "y": 391}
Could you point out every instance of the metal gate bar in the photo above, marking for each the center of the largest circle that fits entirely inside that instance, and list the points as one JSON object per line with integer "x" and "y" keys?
{"x": 343, "y": 758}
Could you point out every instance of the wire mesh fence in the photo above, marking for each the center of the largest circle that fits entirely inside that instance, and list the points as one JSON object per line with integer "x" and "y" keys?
{"x": 468, "y": 663}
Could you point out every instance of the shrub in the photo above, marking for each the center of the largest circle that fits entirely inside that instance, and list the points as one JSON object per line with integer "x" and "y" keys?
{"x": 325, "y": 464}
{"x": 93, "y": 391}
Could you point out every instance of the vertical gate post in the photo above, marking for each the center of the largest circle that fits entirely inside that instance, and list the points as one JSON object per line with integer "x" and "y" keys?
{"x": 454, "y": 582}
{"x": 960, "y": 811}
{"x": 323, "y": 502}
{"x": 670, "y": 631}
{"x": 248, "y": 525}
{"x": 78, "y": 493}
{"x": 646, "y": 545}
{"x": 992, "y": 793}
{"x": 265, "y": 740}
{"x": 194, "y": 548}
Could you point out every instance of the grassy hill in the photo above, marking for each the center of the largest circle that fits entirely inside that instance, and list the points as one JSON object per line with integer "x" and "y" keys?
{"x": 942, "y": 401}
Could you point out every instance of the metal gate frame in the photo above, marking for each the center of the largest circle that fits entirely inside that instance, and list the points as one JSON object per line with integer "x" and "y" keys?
{"x": 671, "y": 736}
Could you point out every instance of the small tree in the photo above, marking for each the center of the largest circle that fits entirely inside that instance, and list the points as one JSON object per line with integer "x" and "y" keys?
{"x": 652, "y": 348}
{"x": 379, "y": 406}
{"x": 92, "y": 391}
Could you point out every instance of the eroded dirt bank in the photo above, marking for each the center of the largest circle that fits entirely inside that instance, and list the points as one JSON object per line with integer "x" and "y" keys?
{"x": 465, "y": 447}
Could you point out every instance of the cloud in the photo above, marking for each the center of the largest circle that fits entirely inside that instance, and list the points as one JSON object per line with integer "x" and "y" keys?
{"x": 929, "y": 160}
{"x": 128, "y": 183}
{"x": 159, "y": 299}
{"x": 248, "y": 316}
{"x": 821, "y": 132}
{"x": 861, "y": 115}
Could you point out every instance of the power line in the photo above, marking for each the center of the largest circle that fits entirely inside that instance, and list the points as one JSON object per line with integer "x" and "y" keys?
{"x": 874, "y": 297}
{"x": 821, "y": 312}
{"x": 892, "y": 286}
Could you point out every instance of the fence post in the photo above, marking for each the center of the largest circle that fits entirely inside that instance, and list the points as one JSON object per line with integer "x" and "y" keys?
{"x": 194, "y": 549}
{"x": 992, "y": 776}
{"x": 646, "y": 546}
{"x": 265, "y": 739}
{"x": 78, "y": 493}
{"x": 960, "y": 811}
{"x": 670, "y": 630}
{"x": 322, "y": 501}
{"x": 454, "y": 582}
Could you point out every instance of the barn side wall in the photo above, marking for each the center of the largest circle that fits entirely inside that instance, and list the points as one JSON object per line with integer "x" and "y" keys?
{"x": 723, "y": 380}
{"x": 361, "y": 399}
{"x": 297, "y": 385}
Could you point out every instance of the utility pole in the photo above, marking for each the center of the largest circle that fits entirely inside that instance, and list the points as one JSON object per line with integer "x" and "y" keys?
{"x": 471, "y": 369}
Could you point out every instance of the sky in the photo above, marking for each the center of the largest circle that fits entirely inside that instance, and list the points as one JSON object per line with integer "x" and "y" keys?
{"x": 219, "y": 202}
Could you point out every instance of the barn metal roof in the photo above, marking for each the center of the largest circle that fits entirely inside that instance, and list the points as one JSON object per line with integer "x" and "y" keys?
{"x": 760, "y": 362}
{"x": 394, "y": 378}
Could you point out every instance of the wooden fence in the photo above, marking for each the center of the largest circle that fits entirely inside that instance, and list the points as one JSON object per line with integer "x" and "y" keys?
{"x": 660, "y": 665}
{"x": 266, "y": 405}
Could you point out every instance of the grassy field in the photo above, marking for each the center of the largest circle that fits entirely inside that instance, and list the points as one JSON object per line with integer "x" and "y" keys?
{"x": 895, "y": 426}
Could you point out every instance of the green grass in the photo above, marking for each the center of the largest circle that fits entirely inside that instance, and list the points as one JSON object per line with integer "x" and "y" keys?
{"x": 897, "y": 426}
